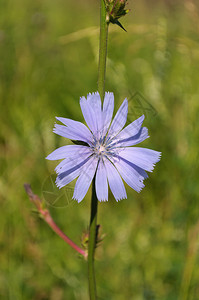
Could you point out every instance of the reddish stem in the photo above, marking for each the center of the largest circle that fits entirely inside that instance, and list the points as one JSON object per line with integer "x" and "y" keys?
{"x": 47, "y": 217}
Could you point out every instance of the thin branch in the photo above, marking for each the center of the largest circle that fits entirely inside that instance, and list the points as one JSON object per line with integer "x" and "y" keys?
{"x": 49, "y": 220}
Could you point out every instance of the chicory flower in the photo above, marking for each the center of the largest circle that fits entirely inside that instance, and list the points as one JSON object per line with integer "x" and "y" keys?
{"x": 103, "y": 150}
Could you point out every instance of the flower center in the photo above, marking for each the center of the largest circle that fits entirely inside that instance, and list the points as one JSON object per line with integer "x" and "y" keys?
{"x": 99, "y": 149}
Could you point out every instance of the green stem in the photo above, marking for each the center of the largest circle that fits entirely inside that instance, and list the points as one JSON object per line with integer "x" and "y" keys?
{"x": 94, "y": 201}
{"x": 102, "y": 50}
{"x": 92, "y": 243}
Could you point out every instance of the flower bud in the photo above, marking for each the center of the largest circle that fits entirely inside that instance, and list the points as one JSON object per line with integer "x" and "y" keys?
{"x": 85, "y": 239}
{"x": 115, "y": 10}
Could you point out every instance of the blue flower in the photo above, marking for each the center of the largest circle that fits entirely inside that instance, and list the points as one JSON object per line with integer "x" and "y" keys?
{"x": 103, "y": 149}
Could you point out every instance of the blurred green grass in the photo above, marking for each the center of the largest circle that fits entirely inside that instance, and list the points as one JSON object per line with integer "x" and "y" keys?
{"x": 151, "y": 245}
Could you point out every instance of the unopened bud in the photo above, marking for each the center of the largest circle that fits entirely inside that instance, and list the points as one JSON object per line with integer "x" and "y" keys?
{"x": 115, "y": 10}
{"x": 84, "y": 240}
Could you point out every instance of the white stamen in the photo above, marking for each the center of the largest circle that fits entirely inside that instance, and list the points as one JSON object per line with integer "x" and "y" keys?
{"x": 101, "y": 149}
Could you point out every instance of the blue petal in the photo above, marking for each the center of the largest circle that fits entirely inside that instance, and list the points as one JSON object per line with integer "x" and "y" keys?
{"x": 134, "y": 140}
{"x": 131, "y": 130}
{"x": 108, "y": 107}
{"x": 68, "y": 151}
{"x": 70, "y": 170}
{"x": 119, "y": 119}
{"x": 76, "y": 158}
{"x": 101, "y": 182}
{"x": 71, "y": 133}
{"x": 131, "y": 174}
{"x": 85, "y": 179}
{"x": 74, "y": 173}
{"x": 95, "y": 102}
{"x": 89, "y": 115}
{"x": 115, "y": 182}
{"x": 141, "y": 157}
{"x": 78, "y": 127}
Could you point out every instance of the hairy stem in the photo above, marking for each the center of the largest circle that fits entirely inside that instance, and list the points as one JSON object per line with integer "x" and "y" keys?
{"x": 94, "y": 201}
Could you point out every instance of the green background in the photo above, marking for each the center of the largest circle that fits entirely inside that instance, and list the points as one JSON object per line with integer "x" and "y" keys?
{"x": 48, "y": 59}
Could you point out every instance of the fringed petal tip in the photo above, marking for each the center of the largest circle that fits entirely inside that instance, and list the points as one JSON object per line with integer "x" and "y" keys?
{"x": 120, "y": 199}
{"x": 93, "y": 94}
{"x": 97, "y": 94}
{"x": 57, "y": 182}
{"x": 78, "y": 201}
{"x": 102, "y": 200}
{"x": 109, "y": 93}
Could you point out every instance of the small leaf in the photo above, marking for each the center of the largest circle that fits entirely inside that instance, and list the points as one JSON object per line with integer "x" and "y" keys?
{"x": 118, "y": 23}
